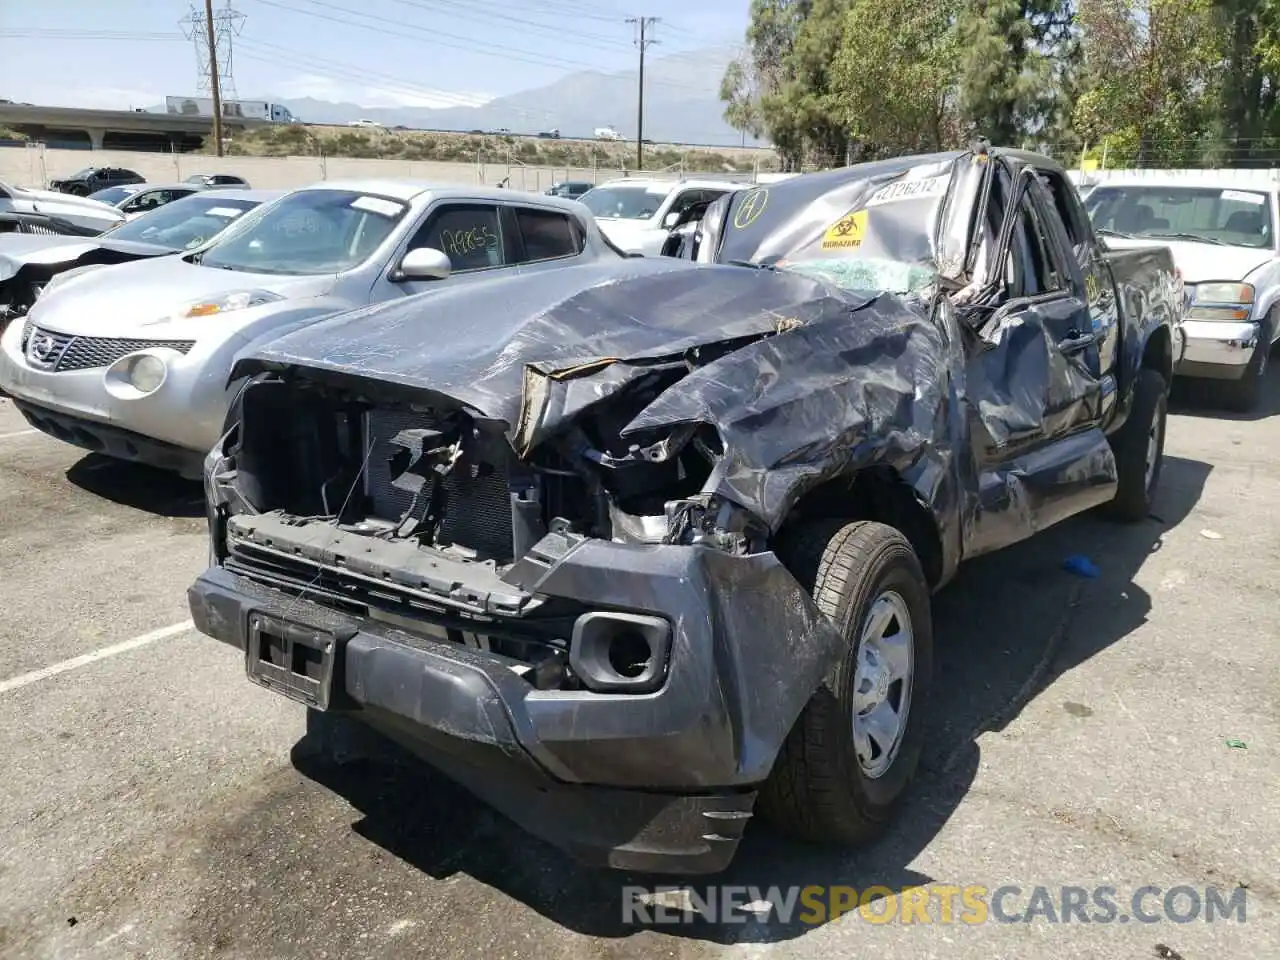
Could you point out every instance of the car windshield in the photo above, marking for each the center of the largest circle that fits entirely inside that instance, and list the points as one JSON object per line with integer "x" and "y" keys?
{"x": 112, "y": 194}
{"x": 309, "y": 232}
{"x": 871, "y": 274}
{"x": 81, "y": 174}
{"x": 183, "y": 224}
{"x": 1218, "y": 215}
{"x": 625, "y": 203}
{"x": 879, "y": 239}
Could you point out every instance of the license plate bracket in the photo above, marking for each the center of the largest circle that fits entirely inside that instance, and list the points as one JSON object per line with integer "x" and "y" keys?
{"x": 292, "y": 659}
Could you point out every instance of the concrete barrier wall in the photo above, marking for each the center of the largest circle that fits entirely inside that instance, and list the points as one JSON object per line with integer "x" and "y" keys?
{"x": 35, "y": 166}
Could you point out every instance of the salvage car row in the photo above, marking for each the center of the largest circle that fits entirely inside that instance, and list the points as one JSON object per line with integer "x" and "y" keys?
{"x": 654, "y": 537}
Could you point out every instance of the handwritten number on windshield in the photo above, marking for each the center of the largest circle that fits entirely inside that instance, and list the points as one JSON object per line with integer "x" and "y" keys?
{"x": 459, "y": 243}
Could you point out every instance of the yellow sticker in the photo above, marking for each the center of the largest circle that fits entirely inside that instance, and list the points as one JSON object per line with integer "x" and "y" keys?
{"x": 751, "y": 207}
{"x": 846, "y": 232}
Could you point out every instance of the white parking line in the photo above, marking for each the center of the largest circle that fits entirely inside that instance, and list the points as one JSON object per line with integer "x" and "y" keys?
{"x": 23, "y": 679}
{"x": 16, "y": 433}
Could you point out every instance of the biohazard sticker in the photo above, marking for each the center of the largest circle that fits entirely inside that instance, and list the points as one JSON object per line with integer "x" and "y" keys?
{"x": 910, "y": 190}
{"x": 846, "y": 233}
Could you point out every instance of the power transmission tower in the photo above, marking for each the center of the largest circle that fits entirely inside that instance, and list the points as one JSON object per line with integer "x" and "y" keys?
{"x": 643, "y": 41}
{"x": 215, "y": 69}
{"x": 214, "y": 61}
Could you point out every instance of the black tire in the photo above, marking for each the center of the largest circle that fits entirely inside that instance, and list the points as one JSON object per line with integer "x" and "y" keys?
{"x": 1135, "y": 494}
{"x": 818, "y": 791}
{"x": 1242, "y": 395}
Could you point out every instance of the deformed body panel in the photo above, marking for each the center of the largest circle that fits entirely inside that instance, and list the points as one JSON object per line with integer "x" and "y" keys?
{"x": 794, "y": 379}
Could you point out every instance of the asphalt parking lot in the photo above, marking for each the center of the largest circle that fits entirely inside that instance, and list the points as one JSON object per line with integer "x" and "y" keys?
{"x": 1080, "y": 736}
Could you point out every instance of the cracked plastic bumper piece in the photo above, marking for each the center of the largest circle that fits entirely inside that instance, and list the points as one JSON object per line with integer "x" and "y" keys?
{"x": 1218, "y": 349}
{"x": 662, "y": 781}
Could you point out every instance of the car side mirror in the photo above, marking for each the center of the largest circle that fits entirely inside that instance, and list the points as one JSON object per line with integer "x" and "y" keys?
{"x": 670, "y": 220}
{"x": 424, "y": 263}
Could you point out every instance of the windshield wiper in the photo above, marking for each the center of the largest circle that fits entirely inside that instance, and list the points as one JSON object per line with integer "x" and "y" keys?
{"x": 1188, "y": 236}
{"x": 1108, "y": 232}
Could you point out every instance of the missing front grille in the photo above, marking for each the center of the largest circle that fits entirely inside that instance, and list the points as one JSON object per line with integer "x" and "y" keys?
{"x": 476, "y": 497}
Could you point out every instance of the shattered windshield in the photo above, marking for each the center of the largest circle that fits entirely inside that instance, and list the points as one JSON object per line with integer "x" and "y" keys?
{"x": 1241, "y": 218}
{"x": 867, "y": 273}
{"x": 868, "y": 235}
{"x": 183, "y": 224}
{"x": 625, "y": 203}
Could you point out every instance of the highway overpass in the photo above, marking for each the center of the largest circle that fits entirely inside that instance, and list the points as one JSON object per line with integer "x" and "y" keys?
{"x": 70, "y": 127}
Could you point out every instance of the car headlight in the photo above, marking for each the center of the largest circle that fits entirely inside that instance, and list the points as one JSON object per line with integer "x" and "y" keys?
{"x": 1222, "y": 301}
{"x": 1220, "y": 293}
{"x": 226, "y": 302}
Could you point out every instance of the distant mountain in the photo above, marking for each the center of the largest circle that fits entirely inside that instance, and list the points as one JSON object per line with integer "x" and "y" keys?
{"x": 681, "y": 105}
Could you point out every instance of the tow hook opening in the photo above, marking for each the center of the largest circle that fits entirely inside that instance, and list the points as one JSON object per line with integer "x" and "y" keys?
{"x": 620, "y": 652}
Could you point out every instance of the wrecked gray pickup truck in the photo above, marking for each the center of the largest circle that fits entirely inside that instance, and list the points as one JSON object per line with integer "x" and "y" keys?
{"x": 632, "y": 550}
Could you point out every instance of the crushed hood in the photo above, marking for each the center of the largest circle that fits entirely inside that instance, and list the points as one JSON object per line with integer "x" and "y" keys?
{"x": 777, "y": 359}
{"x": 135, "y": 299}
{"x": 473, "y": 343}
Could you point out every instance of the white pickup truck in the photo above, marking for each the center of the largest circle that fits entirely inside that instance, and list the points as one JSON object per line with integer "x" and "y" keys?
{"x": 1222, "y": 230}
{"x": 637, "y": 214}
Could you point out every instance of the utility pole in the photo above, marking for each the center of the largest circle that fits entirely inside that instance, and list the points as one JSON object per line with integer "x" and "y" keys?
{"x": 644, "y": 40}
{"x": 213, "y": 72}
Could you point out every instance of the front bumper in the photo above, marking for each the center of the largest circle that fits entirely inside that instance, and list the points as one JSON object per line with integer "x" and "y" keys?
{"x": 662, "y": 781}
{"x": 184, "y": 414}
{"x": 1219, "y": 350}
{"x": 111, "y": 441}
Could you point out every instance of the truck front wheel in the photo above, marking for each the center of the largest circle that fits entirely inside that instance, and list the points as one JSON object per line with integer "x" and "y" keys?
{"x": 856, "y": 745}
{"x": 1138, "y": 447}
{"x": 1242, "y": 395}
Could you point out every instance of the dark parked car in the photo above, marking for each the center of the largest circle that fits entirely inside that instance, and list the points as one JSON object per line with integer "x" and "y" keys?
{"x": 223, "y": 180}
{"x": 627, "y": 547}
{"x": 572, "y": 189}
{"x": 92, "y": 179}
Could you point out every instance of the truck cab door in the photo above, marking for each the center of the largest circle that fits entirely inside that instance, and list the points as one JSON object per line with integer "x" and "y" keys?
{"x": 1099, "y": 283}
{"x": 1033, "y": 372}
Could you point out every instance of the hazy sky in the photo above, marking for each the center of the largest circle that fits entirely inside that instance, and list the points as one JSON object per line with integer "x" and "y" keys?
{"x": 131, "y": 53}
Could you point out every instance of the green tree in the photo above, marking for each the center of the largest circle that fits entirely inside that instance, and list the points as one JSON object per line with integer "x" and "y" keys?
{"x": 755, "y": 83}
{"x": 740, "y": 93}
{"x": 1151, "y": 66}
{"x": 1246, "y": 122}
{"x": 808, "y": 108}
{"x": 1010, "y": 69}
{"x": 894, "y": 76}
